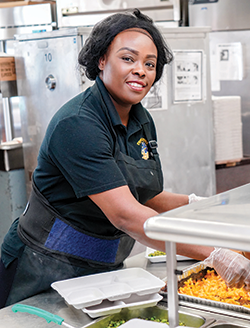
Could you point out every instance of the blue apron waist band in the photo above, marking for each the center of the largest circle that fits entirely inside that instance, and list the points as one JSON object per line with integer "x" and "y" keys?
{"x": 66, "y": 239}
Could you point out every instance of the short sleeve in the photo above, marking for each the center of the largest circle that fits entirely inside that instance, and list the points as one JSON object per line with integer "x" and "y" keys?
{"x": 82, "y": 148}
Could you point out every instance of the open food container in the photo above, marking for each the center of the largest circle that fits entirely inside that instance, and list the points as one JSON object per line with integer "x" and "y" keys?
{"x": 145, "y": 316}
{"x": 196, "y": 273}
{"x": 221, "y": 221}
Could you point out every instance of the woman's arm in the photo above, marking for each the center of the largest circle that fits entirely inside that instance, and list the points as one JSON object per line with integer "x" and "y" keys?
{"x": 166, "y": 201}
{"x": 128, "y": 215}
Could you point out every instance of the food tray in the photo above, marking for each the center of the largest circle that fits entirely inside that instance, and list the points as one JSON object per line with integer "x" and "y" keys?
{"x": 162, "y": 258}
{"x": 115, "y": 285}
{"x": 133, "y": 302}
{"x": 196, "y": 270}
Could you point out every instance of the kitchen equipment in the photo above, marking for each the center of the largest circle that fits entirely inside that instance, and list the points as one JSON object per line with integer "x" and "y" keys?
{"x": 183, "y": 114}
{"x": 219, "y": 14}
{"x": 193, "y": 301}
{"x": 11, "y": 156}
{"x": 160, "y": 312}
{"x": 78, "y": 13}
{"x": 44, "y": 73}
{"x": 12, "y": 184}
{"x": 221, "y": 221}
{"x": 230, "y": 26}
{"x": 49, "y": 317}
{"x": 20, "y": 19}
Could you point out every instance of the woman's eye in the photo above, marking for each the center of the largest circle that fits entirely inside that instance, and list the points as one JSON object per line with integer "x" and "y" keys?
{"x": 128, "y": 59}
{"x": 151, "y": 65}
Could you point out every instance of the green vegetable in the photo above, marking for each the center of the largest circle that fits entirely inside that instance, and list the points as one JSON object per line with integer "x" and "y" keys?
{"x": 156, "y": 253}
{"x": 118, "y": 323}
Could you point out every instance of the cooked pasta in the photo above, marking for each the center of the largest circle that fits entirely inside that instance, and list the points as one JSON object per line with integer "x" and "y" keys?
{"x": 212, "y": 287}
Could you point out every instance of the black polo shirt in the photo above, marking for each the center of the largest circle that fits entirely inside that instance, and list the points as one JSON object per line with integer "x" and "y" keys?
{"x": 76, "y": 158}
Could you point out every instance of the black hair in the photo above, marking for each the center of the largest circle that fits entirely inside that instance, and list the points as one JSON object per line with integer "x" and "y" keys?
{"x": 106, "y": 30}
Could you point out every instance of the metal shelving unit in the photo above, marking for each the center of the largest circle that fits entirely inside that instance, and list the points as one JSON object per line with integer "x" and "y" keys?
{"x": 222, "y": 220}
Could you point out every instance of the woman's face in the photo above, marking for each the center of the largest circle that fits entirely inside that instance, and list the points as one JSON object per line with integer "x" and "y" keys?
{"x": 128, "y": 69}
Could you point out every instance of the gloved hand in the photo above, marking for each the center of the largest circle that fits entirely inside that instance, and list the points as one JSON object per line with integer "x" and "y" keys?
{"x": 233, "y": 267}
{"x": 192, "y": 198}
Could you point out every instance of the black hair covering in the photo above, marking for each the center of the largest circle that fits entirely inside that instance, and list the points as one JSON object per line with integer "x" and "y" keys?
{"x": 105, "y": 31}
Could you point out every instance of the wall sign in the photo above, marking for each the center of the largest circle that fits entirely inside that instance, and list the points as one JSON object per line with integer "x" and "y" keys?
{"x": 230, "y": 61}
{"x": 188, "y": 75}
{"x": 157, "y": 97}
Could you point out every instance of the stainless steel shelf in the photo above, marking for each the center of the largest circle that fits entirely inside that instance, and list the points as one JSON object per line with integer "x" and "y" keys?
{"x": 222, "y": 220}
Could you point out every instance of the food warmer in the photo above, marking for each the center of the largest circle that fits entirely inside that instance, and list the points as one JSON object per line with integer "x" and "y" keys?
{"x": 222, "y": 220}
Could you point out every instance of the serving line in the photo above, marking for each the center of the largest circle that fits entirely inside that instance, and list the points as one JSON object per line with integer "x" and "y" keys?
{"x": 51, "y": 301}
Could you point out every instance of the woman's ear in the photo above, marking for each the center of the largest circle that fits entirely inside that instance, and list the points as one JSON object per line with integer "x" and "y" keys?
{"x": 101, "y": 63}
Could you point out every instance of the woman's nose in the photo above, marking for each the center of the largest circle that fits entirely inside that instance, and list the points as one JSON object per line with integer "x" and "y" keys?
{"x": 139, "y": 70}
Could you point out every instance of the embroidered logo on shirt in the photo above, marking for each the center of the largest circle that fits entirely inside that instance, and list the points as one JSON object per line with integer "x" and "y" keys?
{"x": 144, "y": 148}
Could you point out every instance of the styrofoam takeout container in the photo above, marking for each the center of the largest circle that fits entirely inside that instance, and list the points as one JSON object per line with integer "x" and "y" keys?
{"x": 133, "y": 302}
{"x": 117, "y": 285}
{"x": 162, "y": 258}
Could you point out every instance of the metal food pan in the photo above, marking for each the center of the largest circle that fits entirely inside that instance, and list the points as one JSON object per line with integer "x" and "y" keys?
{"x": 197, "y": 271}
{"x": 158, "y": 311}
{"x": 224, "y": 324}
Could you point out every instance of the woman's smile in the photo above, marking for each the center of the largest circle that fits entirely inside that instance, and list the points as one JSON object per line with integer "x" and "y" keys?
{"x": 137, "y": 86}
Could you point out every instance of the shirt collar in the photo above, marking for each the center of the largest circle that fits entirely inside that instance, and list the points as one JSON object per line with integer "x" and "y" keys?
{"x": 137, "y": 110}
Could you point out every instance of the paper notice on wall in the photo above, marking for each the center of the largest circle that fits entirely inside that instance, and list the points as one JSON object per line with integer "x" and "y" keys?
{"x": 187, "y": 75}
{"x": 230, "y": 61}
{"x": 157, "y": 97}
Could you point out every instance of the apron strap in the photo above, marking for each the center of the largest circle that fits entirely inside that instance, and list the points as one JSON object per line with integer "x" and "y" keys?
{"x": 152, "y": 144}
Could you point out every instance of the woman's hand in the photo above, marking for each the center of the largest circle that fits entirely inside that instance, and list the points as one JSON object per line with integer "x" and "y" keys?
{"x": 233, "y": 267}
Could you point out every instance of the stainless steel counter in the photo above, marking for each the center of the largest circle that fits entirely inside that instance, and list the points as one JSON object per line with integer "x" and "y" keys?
{"x": 51, "y": 301}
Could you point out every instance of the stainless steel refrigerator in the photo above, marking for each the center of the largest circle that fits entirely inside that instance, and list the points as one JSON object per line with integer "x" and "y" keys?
{"x": 183, "y": 114}
{"x": 230, "y": 32}
{"x": 47, "y": 77}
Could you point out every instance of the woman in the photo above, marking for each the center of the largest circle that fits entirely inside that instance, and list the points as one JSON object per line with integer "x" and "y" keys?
{"x": 98, "y": 177}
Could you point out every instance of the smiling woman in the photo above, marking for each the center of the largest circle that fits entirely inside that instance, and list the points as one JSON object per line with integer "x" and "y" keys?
{"x": 99, "y": 176}
{"x": 128, "y": 69}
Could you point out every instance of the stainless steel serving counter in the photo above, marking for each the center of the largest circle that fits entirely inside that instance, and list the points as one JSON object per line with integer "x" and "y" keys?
{"x": 51, "y": 301}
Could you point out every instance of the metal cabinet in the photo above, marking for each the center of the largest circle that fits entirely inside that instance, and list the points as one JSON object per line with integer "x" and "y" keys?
{"x": 184, "y": 119}
{"x": 47, "y": 77}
